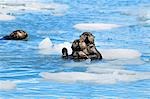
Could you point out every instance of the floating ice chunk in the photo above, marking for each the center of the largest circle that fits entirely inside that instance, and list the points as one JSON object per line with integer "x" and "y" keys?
{"x": 54, "y": 7}
{"x": 45, "y": 44}
{"x": 46, "y": 47}
{"x": 95, "y": 26}
{"x": 72, "y": 77}
{"x": 108, "y": 77}
{"x": 13, "y": 6}
{"x": 120, "y": 53}
{"x": 121, "y": 75}
{"x": 7, "y": 85}
{"x": 4, "y": 17}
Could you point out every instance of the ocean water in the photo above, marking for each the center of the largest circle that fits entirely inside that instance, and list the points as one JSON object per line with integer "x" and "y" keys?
{"x": 34, "y": 69}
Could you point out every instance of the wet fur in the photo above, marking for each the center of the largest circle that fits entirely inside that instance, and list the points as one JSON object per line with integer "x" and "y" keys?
{"x": 84, "y": 48}
{"x": 16, "y": 35}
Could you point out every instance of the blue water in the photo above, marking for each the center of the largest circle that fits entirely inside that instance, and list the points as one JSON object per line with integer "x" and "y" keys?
{"x": 21, "y": 62}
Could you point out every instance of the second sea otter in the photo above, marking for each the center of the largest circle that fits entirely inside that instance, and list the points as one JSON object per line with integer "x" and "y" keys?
{"x": 16, "y": 35}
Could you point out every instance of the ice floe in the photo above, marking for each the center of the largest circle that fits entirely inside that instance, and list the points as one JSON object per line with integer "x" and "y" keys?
{"x": 95, "y": 26}
{"x": 7, "y": 85}
{"x": 104, "y": 77}
{"x": 45, "y": 44}
{"x": 8, "y": 7}
{"x": 46, "y": 47}
{"x": 119, "y": 53}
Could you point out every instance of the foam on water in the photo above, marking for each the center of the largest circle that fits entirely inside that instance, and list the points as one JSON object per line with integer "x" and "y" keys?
{"x": 13, "y": 6}
{"x": 95, "y": 26}
{"x": 7, "y": 85}
{"x": 105, "y": 77}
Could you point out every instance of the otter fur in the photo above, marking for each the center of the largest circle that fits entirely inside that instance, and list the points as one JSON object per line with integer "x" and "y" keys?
{"x": 16, "y": 35}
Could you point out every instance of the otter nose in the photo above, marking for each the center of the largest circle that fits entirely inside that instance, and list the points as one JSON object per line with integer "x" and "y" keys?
{"x": 86, "y": 40}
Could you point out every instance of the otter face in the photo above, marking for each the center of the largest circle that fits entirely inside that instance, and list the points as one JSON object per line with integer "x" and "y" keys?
{"x": 82, "y": 44}
{"x": 75, "y": 45}
{"x": 18, "y": 35}
{"x": 87, "y": 37}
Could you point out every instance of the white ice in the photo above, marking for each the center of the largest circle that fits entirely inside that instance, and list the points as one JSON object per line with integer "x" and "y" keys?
{"x": 45, "y": 44}
{"x": 95, "y": 26}
{"x": 101, "y": 77}
{"x": 9, "y": 7}
{"x": 119, "y": 53}
{"x": 46, "y": 47}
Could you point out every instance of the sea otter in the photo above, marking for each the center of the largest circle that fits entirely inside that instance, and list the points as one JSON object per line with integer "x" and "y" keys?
{"x": 83, "y": 48}
{"x": 16, "y": 35}
{"x": 79, "y": 49}
{"x": 92, "y": 52}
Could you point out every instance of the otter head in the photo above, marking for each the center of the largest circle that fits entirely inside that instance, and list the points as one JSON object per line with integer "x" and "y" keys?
{"x": 87, "y": 37}
{"x": 75, "y": 45}
{"x": 64, "y": 53}
{"x": 18, "y": 35}
{"x": 82, "y": 44}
